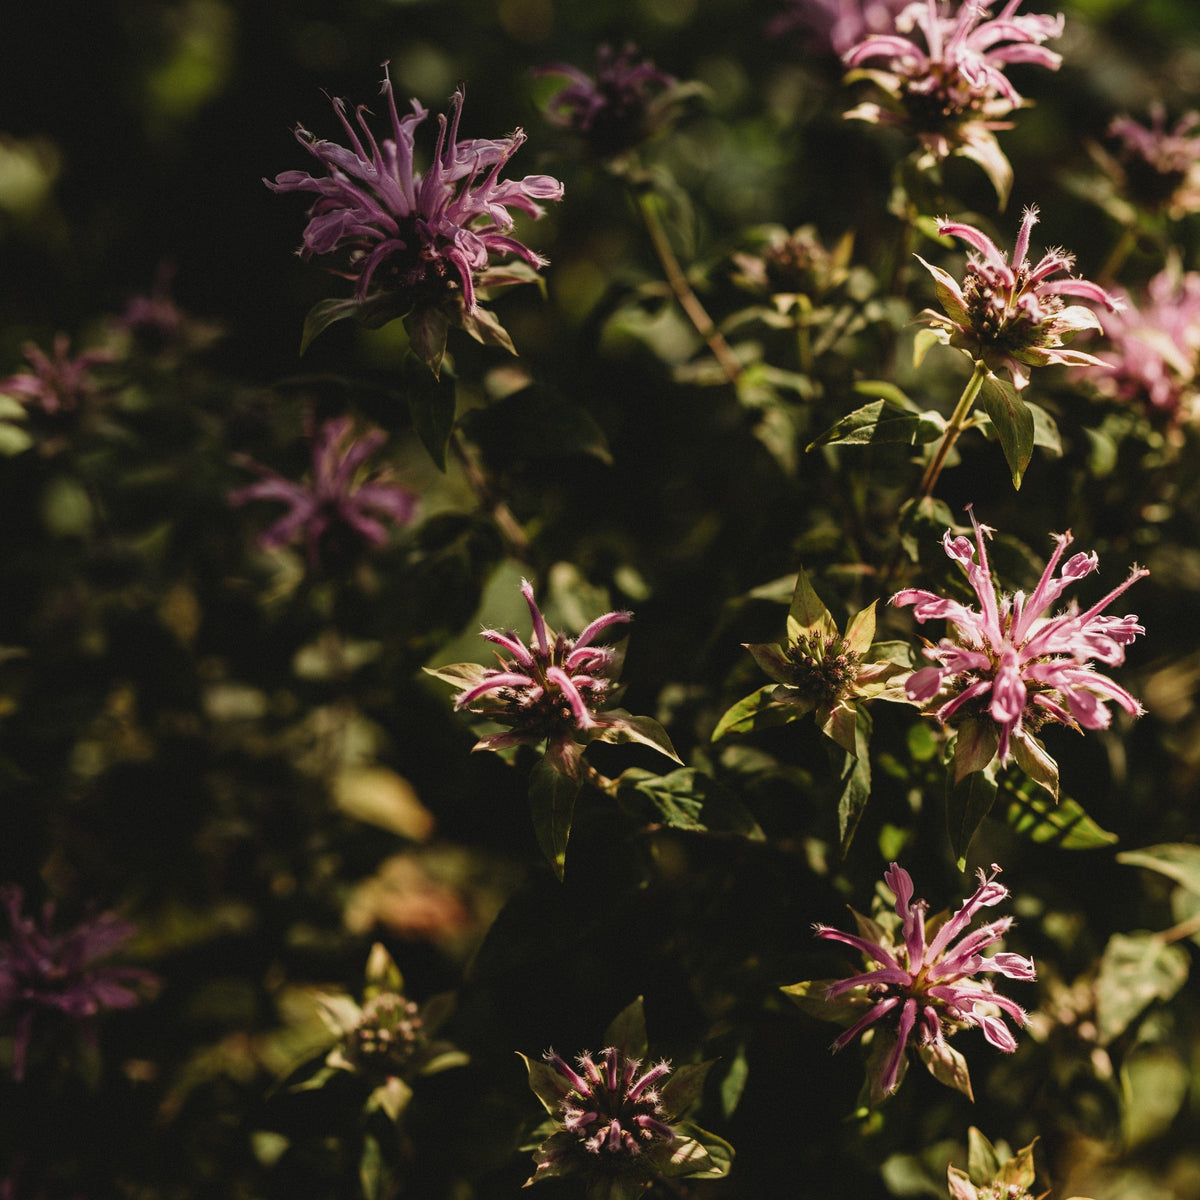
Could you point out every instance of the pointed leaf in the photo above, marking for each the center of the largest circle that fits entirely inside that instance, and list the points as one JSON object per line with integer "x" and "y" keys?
{"x": 552, "y": 806}
{"x": 1179, "y": 861}
{"x": 547, "y": 1084}
{"x": 983, "y": 1163}
{"x": 839, "y": 722}
{"x": 463, "y": 675}
{"x": 861, "y": 630}
{"x": 372, "y": 312}
{"x": 810, "y": 996}
{"x": 734, "y": 1082}
{"x": 856, "y": 782}
{"x": 1012, "y": 421}
{"x": 708, "y": 1156}
{"x": 759, "y": 710}
{"x": 772, "y": 659}
{"x": 427, "y": 329}
{"x": 616, "y": 725}
{"x": 807, "y": 613}
{"x": 627, "y": 1030}
{"x": 390, "y": 1097}
{"x": 974, "y": 747}
{"x": 382, "y": 974}
{"x": 925, "y": 339}
{"x": 431, "y": 403}
{"x": 1019, "y": 1170}
{"x": 947, "y": 1066}
{"x": 483, "y": 326}
{"x": 967, "y": 803}
{"x": 881, "y": 423}
{"x": 684, "y": 1086}
{"x": 686, "y": 799}
{"x": 1033, "y": 758}
{"x": 1034, "y": 814}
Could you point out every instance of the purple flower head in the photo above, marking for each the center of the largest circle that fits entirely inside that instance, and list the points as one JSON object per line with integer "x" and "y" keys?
{"x": 421, "y": 242}
{"x": 1160, "y": 167}
{"x": 156, "y": 324}
{"x": 44, "y": 973}
{"x": 951, "y": 92}
{"x": 1011, "y": 666}
{"x": 332, "y": 509}
{"x": 556, "y": 690}
{"x": 923, "y": 980}
{"x": 59, "y": 384}
{"x": 623, "y": 105}
{"x": 1154, "y": 348}
{"x": 1012, "y": 314}
{"x": 835, "y": 26}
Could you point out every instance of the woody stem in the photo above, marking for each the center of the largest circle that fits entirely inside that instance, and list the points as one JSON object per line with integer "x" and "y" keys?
{"x": 958, "y": 419}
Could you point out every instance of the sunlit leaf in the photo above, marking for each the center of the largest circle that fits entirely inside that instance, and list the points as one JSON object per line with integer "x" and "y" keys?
{"x": 1135, "y": 970}
{"x": 552, "y": 805}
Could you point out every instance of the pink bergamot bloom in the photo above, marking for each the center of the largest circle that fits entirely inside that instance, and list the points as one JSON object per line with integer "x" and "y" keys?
{"x": 952, "y": 93}
{"x": 337, "y": 508}
{"x": 1159, "y": 168}
{"x": 923, "y": 984}
{"x": 417, "y": 245}
{"x": 556, "y": 690}
{"x": 1008, "y": 668}
{"x": 59, "y": 384}
{"x": 1012, "y": 315}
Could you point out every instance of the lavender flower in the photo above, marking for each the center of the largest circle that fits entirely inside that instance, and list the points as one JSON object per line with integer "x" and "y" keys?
{"x": 417, "y": 245}
{"x": 332, "y": 508}
{"x": 623, "y": 105}
{"x": 835, "y": 26}
{"x": 1012, "y": 315}
{"x": 923, "y": 983}
{"x": 555, "y": 690}
{"x": 1154, "y": 348}
{"x": 954, "y": 93}
{"x": 62, "y": 384}
{"x": 1010, "y": 668}
{"x": 615, "y": 1117}
{"x": 1159, "y": 167}
{"x": 44, "y": 974}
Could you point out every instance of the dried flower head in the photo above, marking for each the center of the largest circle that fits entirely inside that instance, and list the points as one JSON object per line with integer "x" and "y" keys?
{"x": 1009, "y": 668}
{"x": 330, "y": 511}
{"x": 1012, "y": 314}
{"x": 625, "y": 103}
{"x": 417, "y": 245}
{"x": 555, "y": 690}
{"x": 45, "y": 974}
{"x": 953, "y": 93}
{"x": 923, "y": 984}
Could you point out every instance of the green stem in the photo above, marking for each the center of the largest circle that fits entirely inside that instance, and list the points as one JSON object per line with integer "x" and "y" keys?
{"x": 647, "y": 203}
{"x": 1120, "y": 252}
{"x": 958, "y": 419}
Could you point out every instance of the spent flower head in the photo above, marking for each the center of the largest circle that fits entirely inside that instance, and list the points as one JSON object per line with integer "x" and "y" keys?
{"x": 923, "y": 983}
{"x": 1012, "y": 314}
{"x": 556, "y": 690}
{"x": 948, "y": 88}
{"x": 821, "y": 671}
{"x": 44, "y": 974}
{"x": 625, "y": 103}
{"x": 615, "y": 1117}
{"x": 335, "y": 509}
{"x": 388, "y": 1040}
{"x": 1010, "y": 668}
{"x": 417, "y": 245}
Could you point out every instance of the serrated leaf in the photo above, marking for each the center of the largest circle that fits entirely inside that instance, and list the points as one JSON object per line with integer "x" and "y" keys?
{"x": 880, "y": 423}
{"x": 1013, "y": 422}
{"x": 1135, "y": 970}
{"x": 1179, "y": 861}
{"x": 967, "y": 803}
{"x": 552, "y": 806}
{"x": 687, "y": 799}
{"x": 1035, "y": 815}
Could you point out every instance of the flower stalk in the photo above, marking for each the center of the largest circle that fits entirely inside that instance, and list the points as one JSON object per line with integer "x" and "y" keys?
{"x": 958, "y": 420}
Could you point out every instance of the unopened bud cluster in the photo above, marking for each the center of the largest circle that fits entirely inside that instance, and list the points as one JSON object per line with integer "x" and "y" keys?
{"x": 823, "y": 667}
{"x": 387, "y": 1036}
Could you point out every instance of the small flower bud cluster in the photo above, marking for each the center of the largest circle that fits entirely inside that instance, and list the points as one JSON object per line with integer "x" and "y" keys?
{"x": 387, "y": 1036}
{"x": 824, "y": 668}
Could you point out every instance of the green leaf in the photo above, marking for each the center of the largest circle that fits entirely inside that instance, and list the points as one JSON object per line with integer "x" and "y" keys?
{"x": 947, "y": 1066}
{"x": 1179, "y": 861}
{"x": 734, "y": 1082}
{"x": 431, "y": 402}
{"x": 1012, "y": 421}
{"x": 1135, "y": 970}
{"x": 382, "y": 974}
{"x": 1154, "y": 1087}
{"x": 886, "y": 391}
{"x": 427, "y": 329}
{"x": 1032, "y": 757}
{"x": 856, "y": 782}
{"x": 772, "y": 660}
{"x": 547, "y": 1084}
{"x": 974, "y": 747}
{"x": 807, "y": 613}
{"x": 617, "y": 725}
{"x": 756, "y": 711}
{"x": 552, "y": 805}
{"x": 711, "y": 1159}
{"x": 372, "y": 312}
{"x": 686, "y": 799}
{"x": 879, "y": 423}
{"x": 983, "y": 1163}
{"x": 374, "y": 1174}
{"x": 1018, "y": 1171}
{"x": 1035, "y": 815}
{"x": 1045, "y": 430}
{"x": 684, "y": 1086}
{"x": 925, "y": 339}
{"x": 967, "y": 803}
{"x": 810, "y": 996}
{"x": 535, "y": 424}
{"x": 860, "y": 632}
{"x": 627, "y": 1030}
{"x": 391, "y": 1097}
